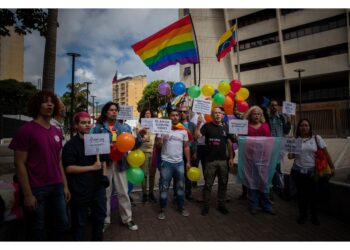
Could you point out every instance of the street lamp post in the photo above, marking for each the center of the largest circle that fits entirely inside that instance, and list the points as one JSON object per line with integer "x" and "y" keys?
{"x": 87, "y": 95}
{"x": 73, "y": 55}
{"x": 93, "y": 109}
{"x": 96, "y": 105}
{"x": 299, "y": 75}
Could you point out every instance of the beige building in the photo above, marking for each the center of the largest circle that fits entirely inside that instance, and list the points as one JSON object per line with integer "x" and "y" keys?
{"x": 11, "y": 56}
{"x": 128, "y": 91}
{"x": 273, "y": 44}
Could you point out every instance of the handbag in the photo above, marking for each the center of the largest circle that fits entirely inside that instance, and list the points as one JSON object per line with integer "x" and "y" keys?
{"x": 322, "y": 168}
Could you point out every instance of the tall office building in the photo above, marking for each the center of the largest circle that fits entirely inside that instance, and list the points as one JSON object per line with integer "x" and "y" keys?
{"x": 11, "y": 56}
{"x": 128, "y": 91}
{"x": 273, "y": 45}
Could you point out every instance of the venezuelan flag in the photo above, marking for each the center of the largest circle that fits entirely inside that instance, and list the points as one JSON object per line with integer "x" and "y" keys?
{"x": 171, "y": 45}
{"x": 226, "y": 42}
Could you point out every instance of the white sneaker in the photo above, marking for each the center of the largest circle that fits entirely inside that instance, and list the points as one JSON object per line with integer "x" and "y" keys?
{"x": 184, "y": 213}
{"x": 132, "y": 226}
{"x": 161, "y": 215}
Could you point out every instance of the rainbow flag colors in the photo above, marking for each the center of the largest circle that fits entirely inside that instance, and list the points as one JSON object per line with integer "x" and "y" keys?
{"x": 173, "y": 44}
{"x": 226, "y": 42}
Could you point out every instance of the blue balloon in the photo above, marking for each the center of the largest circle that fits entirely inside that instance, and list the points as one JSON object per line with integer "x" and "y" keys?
{"x": 226, "y": 118}
{"x": 179, "y": 88}
{"x": 130, "y": 187}
{"x": 216, "y": 91}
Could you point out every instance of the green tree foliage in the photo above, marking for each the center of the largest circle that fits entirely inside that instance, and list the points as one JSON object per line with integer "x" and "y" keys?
{"x": 14, "y": 96}
{"x": 151, "y": 99}
{"x": 79, "y": 99}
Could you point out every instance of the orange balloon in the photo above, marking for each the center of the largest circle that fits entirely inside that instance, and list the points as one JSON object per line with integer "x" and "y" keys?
{"x": 125, "y": 142}
{"x": 208, "y": 118}
{"x": 228, "y": 102}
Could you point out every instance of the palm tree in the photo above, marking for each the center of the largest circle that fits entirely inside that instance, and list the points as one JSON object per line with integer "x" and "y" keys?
{"x": 50, "y": 51}
{"x": 79, "y": 97}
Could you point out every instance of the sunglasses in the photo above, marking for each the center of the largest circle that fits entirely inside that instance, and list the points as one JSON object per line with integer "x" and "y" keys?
{"x": 183, "y": 111}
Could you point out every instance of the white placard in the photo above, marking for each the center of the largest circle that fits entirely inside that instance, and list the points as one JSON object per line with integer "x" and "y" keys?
{"x": 202, "y": 106}
{"x": 125, "y": 113}
{"x": 291, "y": 145}
{"x": 161, "y": 126}
{"x": 289, "y": 108}
{"x": 96, "y": 144}
{"x": 147, "y": 123}
{"x": 236, "y": 126}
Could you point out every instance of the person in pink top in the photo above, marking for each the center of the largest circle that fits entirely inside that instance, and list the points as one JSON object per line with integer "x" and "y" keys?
{"x": 38, "y": 145}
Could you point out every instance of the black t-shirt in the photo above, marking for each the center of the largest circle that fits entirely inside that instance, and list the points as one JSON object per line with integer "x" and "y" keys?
{"x": 215, "y": 141}
{"x": 82, "y": 186}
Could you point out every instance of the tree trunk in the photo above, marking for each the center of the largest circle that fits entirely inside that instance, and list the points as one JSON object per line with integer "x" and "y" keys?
{"x": 48, "y": 82}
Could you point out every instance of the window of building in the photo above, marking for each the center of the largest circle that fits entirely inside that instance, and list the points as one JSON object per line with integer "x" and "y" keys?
{"x": 256, "y": 17}
{"x": 285, "y": 12}
{"x": 186, "y": 12}
{"x": 258, "y": 41}
{"x": 260, "y": 64}
{"x": 187, "y": 71}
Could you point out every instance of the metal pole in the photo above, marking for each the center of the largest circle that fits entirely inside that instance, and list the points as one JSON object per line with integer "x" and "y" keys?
{"x": 73, "y": 55}
{"x": 87, "y": 95}
{"x": 299, "y": 75}
{"x": 93, "y": 109}
{"x": 96, "y": 106}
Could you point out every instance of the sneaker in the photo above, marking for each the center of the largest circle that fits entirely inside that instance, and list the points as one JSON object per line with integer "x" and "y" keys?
{"x": 161, "y": 215}
{"x": 205, "y": 211}
{"x": 105, "y": 226}
{"x": 152, "y": 198}
{"x": 132, "y": 226}
{"x": 223, "y": 210}
{"x": 144, "y": 198}
{"x": 184, "y": 212}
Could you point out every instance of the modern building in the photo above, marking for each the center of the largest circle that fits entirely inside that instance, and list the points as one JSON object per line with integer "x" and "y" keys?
{"x": 128, "y": 91}
{"x": 273, "y": 45}
{"x": 11, "y": 56}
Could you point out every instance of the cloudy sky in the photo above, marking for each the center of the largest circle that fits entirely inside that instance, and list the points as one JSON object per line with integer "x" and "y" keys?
{"x": 103, "y": 38}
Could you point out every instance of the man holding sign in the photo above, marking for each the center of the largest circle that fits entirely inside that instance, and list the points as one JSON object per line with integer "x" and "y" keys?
{"x": 87, "y": 182}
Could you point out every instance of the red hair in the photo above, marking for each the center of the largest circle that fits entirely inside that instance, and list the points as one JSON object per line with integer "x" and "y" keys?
{"x": 80, "y": 115}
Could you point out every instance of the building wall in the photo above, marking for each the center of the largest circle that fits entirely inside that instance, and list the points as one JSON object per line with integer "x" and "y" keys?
{"x": 11, "y": 56}
{"x": 128, "y": 91}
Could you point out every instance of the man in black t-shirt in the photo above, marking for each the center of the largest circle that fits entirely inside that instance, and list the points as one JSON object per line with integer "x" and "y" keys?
{"x": 217, "y": 141}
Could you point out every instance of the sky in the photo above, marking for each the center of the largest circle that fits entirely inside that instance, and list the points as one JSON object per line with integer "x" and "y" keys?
{"x": 103, "y": 38}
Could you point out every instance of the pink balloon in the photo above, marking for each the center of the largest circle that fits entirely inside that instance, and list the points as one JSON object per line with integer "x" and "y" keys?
{"x": 242, "y": 106}
{"x": 235, "y": 85}
{"x": 231, "y": 94}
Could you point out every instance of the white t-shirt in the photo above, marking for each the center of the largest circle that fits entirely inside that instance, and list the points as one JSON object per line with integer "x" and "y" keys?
{"x": 172, "y": 149}
{"x": 306, "y": 159}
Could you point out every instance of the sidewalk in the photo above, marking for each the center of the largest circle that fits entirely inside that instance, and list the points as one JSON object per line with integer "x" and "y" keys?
{"x": 238, "y": 225}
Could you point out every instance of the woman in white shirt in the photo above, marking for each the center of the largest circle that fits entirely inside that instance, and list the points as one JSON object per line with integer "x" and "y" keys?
{"x": 303, "y": 171}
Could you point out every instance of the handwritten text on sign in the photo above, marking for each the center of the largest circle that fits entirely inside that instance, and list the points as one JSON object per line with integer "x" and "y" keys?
{"x": 125, "y": 113}
{"x": 147, "y": 123}
{"x": 291, "y": 145}
{"x": 96, "y": 144}
{"x": 161, "y": 126}
{"x": 202, "y": 106}
{"x": 289, "y": 108}
{"x": 238, "y": 127}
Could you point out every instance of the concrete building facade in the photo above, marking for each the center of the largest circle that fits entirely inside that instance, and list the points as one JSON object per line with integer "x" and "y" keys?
{"x": 273, "y": 43}
{"x": 128, "y": 91}
{"x": 11, "y": 56}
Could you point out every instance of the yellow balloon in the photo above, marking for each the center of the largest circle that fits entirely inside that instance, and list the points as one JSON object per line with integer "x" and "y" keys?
{"x": 242, "y": 94}
{"x": 136, "y": 158}
{"x": 194, "y": 174}
{"x": 208, "y": 90}
{"x": 224, "y": 88}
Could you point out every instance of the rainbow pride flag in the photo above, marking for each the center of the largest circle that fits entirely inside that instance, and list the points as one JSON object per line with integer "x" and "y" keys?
{"x": 171, "y": 45}
{"x": 226, "y": 42}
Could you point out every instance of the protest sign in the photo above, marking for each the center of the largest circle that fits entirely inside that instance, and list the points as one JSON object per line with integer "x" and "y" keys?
{"x": 291, "y": 145}
{"x": 289, "y": 108}
{"x": 125, "y": 113}
{"x": 96, "y": 144}
{"x": 161, "y": 126}
{"x": 147, "y": 123}
{"x": 237, "y": 126}
{"x": 202, "y": 106}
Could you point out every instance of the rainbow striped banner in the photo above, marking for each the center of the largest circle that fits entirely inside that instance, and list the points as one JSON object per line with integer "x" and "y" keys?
{"x": 171, "y": 45}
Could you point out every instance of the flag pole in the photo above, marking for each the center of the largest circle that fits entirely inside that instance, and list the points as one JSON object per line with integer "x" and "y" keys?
{"x": 199, "y": 64}
{"x": 237, "y": 46}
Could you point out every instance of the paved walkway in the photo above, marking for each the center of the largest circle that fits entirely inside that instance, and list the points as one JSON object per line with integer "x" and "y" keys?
{"x": 238, "y": 225}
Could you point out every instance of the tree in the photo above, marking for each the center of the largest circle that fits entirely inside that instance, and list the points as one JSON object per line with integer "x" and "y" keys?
{"x": 79, "y": 97}
{"x": 14, "y": 96}
{"x": 151, "y": 98}
{"x": 27, "y": 20}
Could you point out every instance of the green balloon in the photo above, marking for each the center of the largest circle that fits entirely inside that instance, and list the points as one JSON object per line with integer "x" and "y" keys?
{"x": 219, "y": 98}
{"x": 194, "y": 91}
{"x": 135, "y": 175}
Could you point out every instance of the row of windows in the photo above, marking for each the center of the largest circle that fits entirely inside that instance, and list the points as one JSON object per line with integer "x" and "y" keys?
{"x": 256, "y": 17}
{"x": 313, "y": 95}
{"x": 258, "y": 41}
{"x": 260, "y": 64}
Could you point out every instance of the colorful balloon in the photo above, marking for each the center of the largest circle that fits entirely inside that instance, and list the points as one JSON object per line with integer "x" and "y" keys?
{"x": 136, "y": 158}
{"x": 215, "y": 92}
{"x": 135, "y": 175}
{"x": 207, "y": 90}
{"x": 219, "y": 99}
{"x": 194, "y": 91}
{"x": 179, "y": 88}
{"x": 242, "y": 106}
{"x": 231, "y": 94}
{"x": 224, "y": 87}
{"x": 193, "y": 174}
{"x": 163, "y": 88}
{"x": 228, "y": 105}
{"x": 242, "y": 94}
{"x": 235, "y": 85}
{"x": 125, "y": 142}
{"x": 208, "y": 118}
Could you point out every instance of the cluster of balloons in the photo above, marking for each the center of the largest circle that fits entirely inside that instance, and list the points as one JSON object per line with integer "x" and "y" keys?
{"x": 125, "y": 142}
{"x": 178, "y": 88}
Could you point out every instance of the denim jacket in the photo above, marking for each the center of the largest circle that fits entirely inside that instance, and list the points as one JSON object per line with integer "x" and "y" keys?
{"x": 120, "y": 128}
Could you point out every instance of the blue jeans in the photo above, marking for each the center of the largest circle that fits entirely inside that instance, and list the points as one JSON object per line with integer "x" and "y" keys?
{"x": 79, "y": 209}
{"x": 253, "y": 199}
{"x": 50, "y": 205}
{"x": 167, "y": 172}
